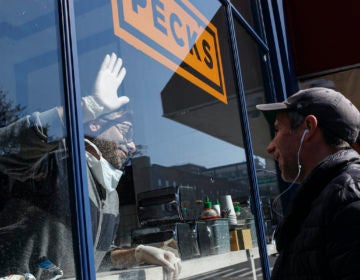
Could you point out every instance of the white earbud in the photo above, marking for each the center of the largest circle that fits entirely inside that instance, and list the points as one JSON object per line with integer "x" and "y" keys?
{"x": 306, "y": 131}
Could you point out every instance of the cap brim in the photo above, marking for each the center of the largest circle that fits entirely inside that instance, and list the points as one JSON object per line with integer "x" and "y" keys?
{"x": 269, "y": 110}
{"x": 272, "y": 106}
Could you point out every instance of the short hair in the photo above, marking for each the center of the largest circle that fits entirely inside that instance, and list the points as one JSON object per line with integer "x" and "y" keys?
{"x": 296, "y": 119}
{"x": 335, "y": 113}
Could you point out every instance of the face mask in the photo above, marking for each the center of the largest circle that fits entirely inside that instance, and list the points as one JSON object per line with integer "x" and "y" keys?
{"x": 106, "y": 174}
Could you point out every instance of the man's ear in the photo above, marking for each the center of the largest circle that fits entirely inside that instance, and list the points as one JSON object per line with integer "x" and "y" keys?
{"x": 311, "y": 123}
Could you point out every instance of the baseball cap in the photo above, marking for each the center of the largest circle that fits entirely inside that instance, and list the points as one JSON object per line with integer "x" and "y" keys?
{"x": 333, "y": 110}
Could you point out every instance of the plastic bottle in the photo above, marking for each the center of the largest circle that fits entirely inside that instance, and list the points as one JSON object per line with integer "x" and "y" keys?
{"x": 237, "y": 209}
{"x": 216, "y": 207}
{"x": 208, "y": 212}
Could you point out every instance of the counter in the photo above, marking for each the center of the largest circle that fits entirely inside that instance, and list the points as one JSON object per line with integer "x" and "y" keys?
{"x": 190, "y": 267}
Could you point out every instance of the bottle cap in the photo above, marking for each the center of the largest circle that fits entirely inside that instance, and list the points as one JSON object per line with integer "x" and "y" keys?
{"x": 208, "y": 212}
{"x": 207, "y": 203}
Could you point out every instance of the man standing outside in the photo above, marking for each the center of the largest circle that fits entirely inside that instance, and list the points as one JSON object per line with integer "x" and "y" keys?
{"x": 319, "y": 237}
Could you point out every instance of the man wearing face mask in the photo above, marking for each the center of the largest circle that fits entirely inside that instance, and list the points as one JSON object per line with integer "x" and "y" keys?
{"x": 35, "y": 219}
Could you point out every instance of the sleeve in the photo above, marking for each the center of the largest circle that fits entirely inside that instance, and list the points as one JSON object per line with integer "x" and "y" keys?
{"x": 91, "y": 109}
{"x": 343, "y": 238}
{"x": 24, "y": 142}
{"x": 49, "y": 124}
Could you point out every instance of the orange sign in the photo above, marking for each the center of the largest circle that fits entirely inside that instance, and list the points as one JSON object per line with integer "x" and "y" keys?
{"x": 176, "y": 34}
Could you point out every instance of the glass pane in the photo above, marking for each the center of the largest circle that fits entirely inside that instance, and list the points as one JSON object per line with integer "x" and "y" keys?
{"x": 253, "y": 81}
{"x": 178, "y": 140}
{"x": 246, "y": 8}
{"x": 35, "y": 215}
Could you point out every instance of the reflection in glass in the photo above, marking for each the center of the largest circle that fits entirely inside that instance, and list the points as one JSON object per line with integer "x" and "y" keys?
{"x": 253, "y": 82}
{"x": 186, "y": 132}
{"x": 35, "y": 216}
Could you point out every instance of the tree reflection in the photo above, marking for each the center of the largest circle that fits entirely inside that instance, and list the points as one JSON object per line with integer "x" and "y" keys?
{"x": 8, "y": 111}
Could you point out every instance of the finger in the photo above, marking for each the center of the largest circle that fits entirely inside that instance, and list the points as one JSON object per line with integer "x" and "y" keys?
{"x": 172, "y": 275}
{"x": 105, "y": 62}
{"x": 176, "y": 272}
{"x": 122, "y": 100}
{"x": 166, "y": 264}
{"x": 112, "y": 62}
{"x": 121, "y": 76}
{"x": 173, "y": 260}
{"x": 167, "y": 274}
{"x": 117, "y": 66}
{"x": 178, "y": 266}
{"x": 164, "y": 273}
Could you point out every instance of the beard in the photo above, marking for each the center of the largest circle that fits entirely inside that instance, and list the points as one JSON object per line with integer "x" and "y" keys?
{"x": 113, "y": 137}
{"x": 289, "y": 172}
{"x": 110, "y": 152}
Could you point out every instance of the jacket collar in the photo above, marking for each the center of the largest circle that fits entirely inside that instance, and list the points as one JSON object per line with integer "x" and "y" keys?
{"x": 309, "y": 190}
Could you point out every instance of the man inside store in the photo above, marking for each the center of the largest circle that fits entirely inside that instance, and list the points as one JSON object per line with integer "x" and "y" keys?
{"x": 319, "y": 236}
{"x": 35, "y": 216}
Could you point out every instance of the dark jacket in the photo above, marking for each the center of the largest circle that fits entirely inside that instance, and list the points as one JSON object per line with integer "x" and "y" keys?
{"x": 320, "y": 236}
{"x": 36, "y": 199}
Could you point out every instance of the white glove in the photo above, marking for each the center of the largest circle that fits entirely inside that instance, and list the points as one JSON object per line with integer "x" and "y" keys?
{"x": 108, "y": 80}
{"x": 105, "y": 98}
{"x": 152, "y": 255}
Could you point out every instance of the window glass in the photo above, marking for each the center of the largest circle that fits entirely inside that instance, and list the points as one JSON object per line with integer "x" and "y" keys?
{"x": 35, "y": 215}
{"x": 252, "y": 60}
{"x": 177, "y": 141}
{"x": 246, "y": 8}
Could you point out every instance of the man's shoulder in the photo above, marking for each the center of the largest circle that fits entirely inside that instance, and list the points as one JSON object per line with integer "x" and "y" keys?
{"x": 354, "y": 170}
{"x": 349, "y": 174}
{"x": 345, "y": 186}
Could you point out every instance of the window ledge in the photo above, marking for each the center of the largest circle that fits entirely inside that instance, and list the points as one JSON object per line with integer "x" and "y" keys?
{"x": 202, "y": 265}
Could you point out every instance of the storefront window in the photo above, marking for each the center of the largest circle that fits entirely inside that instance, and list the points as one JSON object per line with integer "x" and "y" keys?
{"x": 246, "y": 8}
{"x": 35, "y": 210}
{"x": 252, "y": 61}
{"x": 179, "y": 136}
{"x": 166, "y": 166}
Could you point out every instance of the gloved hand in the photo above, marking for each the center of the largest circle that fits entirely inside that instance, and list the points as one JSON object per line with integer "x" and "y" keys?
{"x": 108, "y": 80}
{"x": 105, "y": 97}
{"x": 152, "y": 255}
